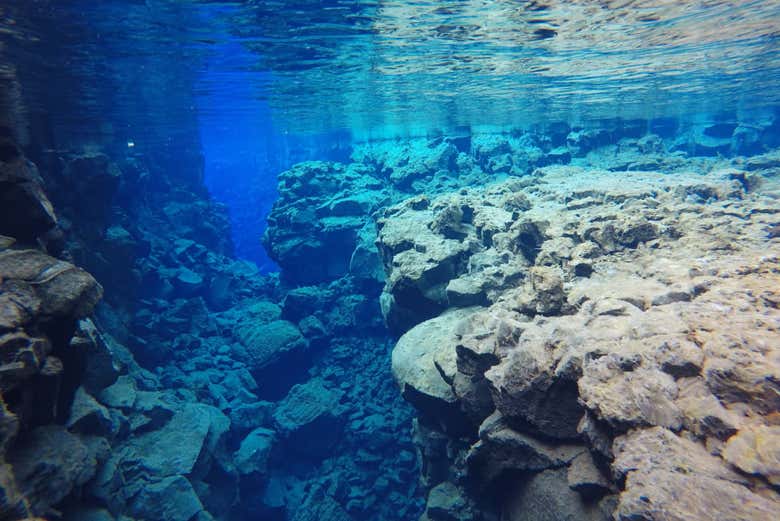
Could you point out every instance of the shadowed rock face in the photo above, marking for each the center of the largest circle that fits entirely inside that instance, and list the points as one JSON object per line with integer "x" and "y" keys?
{"x": 25, "y": 211}
{"x": 42, "y": 303}
{"x": 201, "y": 386}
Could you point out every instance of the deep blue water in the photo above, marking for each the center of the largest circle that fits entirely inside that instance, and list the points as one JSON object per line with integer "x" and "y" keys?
{"x": 202, "y": 106}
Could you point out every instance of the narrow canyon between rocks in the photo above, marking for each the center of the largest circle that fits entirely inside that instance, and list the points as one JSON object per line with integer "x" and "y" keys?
{"x": 389, "y": 261}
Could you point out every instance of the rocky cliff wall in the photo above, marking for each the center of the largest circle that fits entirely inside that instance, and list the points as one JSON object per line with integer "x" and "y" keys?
{"x": 50, "y": 352}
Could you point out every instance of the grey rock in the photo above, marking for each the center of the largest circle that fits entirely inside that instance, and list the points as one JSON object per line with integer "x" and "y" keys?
{"x": 171, "y": 498}
{"x": 103, "y": 364}
{"x": 87, "y": 416}
{"x": 49, "y": 464}
{"x": 447, "y": 502}
{"x": 585, "y": 478}
{"x": 252, "y": 456}
{"x": 271, "y": 345}
{"x": 309, "y": 417}
{"x": 525, "y": 385}
{"x": 25, "y": 211}
{"x": 502, "y": 449}
{"x": 250, "y": 416}
{"x": 122, "y": 394}
{"x": 546, "y": 496}
{"x": 186, "y": 445}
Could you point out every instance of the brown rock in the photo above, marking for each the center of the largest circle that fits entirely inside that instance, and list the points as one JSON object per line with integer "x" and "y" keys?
{"x": 703, "y": 414}
{"x": 424, "y": 365}
{"x": 628, "y": 398}
{"x": 756, "y": 450}
{"x": 671, "y": 478}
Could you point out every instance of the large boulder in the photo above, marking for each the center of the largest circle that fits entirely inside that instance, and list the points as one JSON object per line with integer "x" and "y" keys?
{"x": 171, "y": 498}
{"x": 49, "y": 464}
{"x": 310, "y": 418}
{"x": 424, "y": 364}
{"x": 271, "y": 346}
{"x": 60, "y": 289}
{"x": 546, "y": 496}
{"x": 186, "y": 445}
{"x": 253, "y": 453}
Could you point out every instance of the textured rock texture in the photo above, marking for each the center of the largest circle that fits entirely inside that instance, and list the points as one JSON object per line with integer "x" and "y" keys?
{"x": 44, "y": 305}
{"x": 578, "y": 342}
{"x": 621, "y": 359}
{"x": 198, "y": 389}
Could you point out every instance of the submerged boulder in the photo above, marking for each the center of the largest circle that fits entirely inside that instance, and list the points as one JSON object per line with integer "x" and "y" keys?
{"x": 310, "y": 418}
{"x": 424, "y": 365}
{"x": 49, "y": 464}
{"x": 271, "y": 346}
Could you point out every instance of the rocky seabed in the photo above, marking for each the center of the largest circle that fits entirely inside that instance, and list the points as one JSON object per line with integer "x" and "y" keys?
{"x": 587, "y": 328}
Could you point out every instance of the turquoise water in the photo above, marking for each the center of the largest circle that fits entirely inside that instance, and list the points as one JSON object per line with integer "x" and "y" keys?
{"x": 293, "y": 78}
{"x": 381, "y": 68}
{"x": 227, "y": 169}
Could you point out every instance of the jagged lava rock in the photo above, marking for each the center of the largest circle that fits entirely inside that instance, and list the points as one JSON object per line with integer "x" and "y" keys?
{"x": 315, "y": 225}
{"x": 644, "y": 304}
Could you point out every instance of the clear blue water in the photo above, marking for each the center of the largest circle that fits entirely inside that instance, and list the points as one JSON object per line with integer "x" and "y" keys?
{"x": 216, "y": 99}
{"x": 249, "y": 79}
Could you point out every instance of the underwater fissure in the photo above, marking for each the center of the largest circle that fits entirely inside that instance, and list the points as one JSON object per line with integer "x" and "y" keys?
{"x": 521, "y": 263}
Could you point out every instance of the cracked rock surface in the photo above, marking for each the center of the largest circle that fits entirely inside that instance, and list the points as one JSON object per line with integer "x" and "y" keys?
{"x": 614, "y": 337}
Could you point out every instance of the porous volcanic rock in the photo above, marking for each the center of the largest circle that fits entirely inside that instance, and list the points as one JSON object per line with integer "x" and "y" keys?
{"x": 630, "y": 361}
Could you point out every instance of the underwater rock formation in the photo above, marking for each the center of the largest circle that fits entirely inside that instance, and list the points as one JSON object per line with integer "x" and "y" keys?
{"x": 568, "y": 335}
{"x": 625, "y": 361}
{"x": 320, "y": 215}
{"x": 534, "y": 306}
{"x": 44, "y": 353}
{"x": 199, "y": 389}
{"x": 243, "y": 356}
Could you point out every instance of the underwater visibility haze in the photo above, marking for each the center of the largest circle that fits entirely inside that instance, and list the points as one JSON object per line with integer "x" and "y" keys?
{"x": 352, "y": 260}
